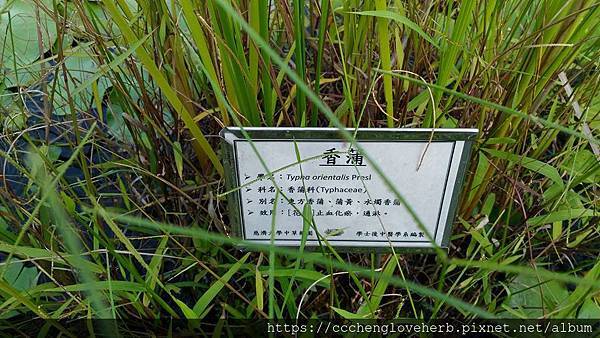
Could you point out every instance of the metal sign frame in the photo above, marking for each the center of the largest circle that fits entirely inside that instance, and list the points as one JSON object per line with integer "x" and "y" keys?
{"x": 231, "y": 135}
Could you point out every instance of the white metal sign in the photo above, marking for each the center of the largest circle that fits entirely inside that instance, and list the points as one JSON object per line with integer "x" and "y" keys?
{"x": 351, "y": 205}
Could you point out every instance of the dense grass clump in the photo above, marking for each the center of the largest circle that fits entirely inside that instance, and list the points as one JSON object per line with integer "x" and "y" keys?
{"x": 112, "y": 199}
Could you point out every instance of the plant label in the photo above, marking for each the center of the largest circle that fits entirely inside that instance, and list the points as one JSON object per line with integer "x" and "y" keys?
{"x": 388, "y": 187}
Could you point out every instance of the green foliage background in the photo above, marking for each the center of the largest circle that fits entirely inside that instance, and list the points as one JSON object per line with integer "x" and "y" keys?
{"x": 147, "y": 85}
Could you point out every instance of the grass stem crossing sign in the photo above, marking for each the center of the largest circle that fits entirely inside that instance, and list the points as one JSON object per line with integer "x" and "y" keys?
{"x": 388, "y": 187}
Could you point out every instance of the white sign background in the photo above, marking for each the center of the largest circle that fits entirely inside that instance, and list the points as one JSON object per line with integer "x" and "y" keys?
{"x": 369, "y": 215}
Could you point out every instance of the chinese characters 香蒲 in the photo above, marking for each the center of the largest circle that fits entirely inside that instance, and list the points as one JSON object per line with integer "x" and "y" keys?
{"x": 332, "y": 158}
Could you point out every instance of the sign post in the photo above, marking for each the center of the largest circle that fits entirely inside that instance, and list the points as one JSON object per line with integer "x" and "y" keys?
{"x": 276, "y": 173}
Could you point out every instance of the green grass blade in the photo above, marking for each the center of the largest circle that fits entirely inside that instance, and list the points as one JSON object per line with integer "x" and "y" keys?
{"x": 201, "y": 145}
{"x": 203, "y": 303}
{"x": 300, "y": 60}
{"x": 319, "y": 62}
{"x": 386, "y": 61}
{"x": 382, "y": 13}
{"x": 202, "y": 47}
{"x": 267, "y": 87}
{"x": 450, "y": 51}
